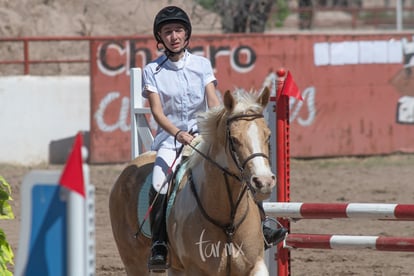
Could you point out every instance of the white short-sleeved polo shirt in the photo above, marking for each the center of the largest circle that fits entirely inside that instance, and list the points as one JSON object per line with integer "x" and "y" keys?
{"x": 181, "y": 87}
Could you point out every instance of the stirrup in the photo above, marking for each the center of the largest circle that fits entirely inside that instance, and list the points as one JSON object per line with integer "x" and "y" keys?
{"x": 158, "y": 259}
{"x": 158, "y": 268}
{"x": 282, "y": 231}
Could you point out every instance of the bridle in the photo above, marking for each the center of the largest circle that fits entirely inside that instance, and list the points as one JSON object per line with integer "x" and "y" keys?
{"x": 231, "y": 227}
{"x": 241, "y": 166}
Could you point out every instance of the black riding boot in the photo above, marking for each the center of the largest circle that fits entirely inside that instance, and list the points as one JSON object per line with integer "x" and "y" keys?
{"x": 272, "y": 236}
{"x": 159, "y": 250}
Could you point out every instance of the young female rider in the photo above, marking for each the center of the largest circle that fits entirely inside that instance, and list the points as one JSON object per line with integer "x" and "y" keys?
{"x": 178, "y": 85}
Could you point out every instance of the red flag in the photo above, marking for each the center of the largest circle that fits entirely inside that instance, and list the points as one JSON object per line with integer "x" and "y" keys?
{"x": 290, "y": 88}
{"x": 72, "y": 176}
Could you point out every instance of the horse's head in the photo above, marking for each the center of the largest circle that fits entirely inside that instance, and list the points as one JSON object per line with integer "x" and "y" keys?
{"x": 248, "y": 140}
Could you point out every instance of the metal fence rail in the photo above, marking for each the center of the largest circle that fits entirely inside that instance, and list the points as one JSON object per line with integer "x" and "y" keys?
{"x": 19, "y": 55}
{"x": 71, "y": 55}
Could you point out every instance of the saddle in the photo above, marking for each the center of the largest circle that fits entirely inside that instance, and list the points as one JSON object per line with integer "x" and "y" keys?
{"x": 180, "y": 175}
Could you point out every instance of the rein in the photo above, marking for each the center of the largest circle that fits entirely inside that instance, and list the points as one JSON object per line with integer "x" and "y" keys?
{"x": 229, "y": 228}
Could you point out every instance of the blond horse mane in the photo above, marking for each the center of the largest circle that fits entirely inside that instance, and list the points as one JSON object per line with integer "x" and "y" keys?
{"x": 212, "y": 123}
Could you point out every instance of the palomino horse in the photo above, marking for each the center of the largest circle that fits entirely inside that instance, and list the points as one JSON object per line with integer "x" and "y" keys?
{"x": 214, "y": 226}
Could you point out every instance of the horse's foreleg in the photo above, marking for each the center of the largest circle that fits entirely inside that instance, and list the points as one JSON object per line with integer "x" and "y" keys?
{"x": 260, "y": 269}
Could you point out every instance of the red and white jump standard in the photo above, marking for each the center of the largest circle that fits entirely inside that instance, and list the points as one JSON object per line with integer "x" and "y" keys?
{"x": 285, "y": 211}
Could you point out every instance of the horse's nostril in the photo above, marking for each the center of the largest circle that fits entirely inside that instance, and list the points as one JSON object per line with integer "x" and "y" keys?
{"x": 257, "y": 183}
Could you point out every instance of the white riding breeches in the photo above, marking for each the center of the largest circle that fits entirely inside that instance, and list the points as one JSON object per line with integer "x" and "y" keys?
{"x": 163, "y": 168}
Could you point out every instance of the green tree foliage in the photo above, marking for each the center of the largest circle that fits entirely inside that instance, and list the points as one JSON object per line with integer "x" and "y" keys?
{"x": 207, "y": 4}
{"x": 6, "y": 212}
{"x": 245, "y": 16}
{"x": 282, "y": 12}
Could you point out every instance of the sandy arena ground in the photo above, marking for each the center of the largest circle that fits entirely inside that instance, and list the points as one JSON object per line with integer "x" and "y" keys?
{"x": 377, "y": 179}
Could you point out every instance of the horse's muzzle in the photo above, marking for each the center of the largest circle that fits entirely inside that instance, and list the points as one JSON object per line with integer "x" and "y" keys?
{"x": 263, "y": 185}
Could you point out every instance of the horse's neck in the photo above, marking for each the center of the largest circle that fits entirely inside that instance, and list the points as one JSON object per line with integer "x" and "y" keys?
{"x": 214, "y": 195}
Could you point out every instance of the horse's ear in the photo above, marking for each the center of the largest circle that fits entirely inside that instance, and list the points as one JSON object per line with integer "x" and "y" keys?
{"x": 228, "y": 100}
{"x": 264, "y": 97}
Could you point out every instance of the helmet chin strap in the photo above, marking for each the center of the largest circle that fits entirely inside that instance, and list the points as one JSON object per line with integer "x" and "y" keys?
{"x": 170, "y": 54}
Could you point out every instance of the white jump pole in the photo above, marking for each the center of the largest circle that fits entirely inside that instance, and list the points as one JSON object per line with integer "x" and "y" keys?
{"x": 380, "y": 211}
{"x": 380, "y": 243}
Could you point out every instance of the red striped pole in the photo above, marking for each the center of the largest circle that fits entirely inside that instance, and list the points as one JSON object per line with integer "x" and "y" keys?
{"x": 381, "y": 211}
{"x": 380, "y": 243}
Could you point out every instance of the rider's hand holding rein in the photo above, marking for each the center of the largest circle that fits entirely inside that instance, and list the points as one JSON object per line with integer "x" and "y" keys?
{"x": 184, "y": 137}
{"x": 157, "y": 111}
{"x": 181, "y": 136}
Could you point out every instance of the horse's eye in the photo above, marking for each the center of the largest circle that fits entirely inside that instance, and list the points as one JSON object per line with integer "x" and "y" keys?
{"x": 235, "y": 141}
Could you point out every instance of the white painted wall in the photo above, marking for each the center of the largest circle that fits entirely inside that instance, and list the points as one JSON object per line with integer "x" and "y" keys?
{"x": 37, "y": 110}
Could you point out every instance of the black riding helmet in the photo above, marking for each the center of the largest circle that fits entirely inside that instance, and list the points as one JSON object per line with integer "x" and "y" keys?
{"x": 171, "y": 14}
